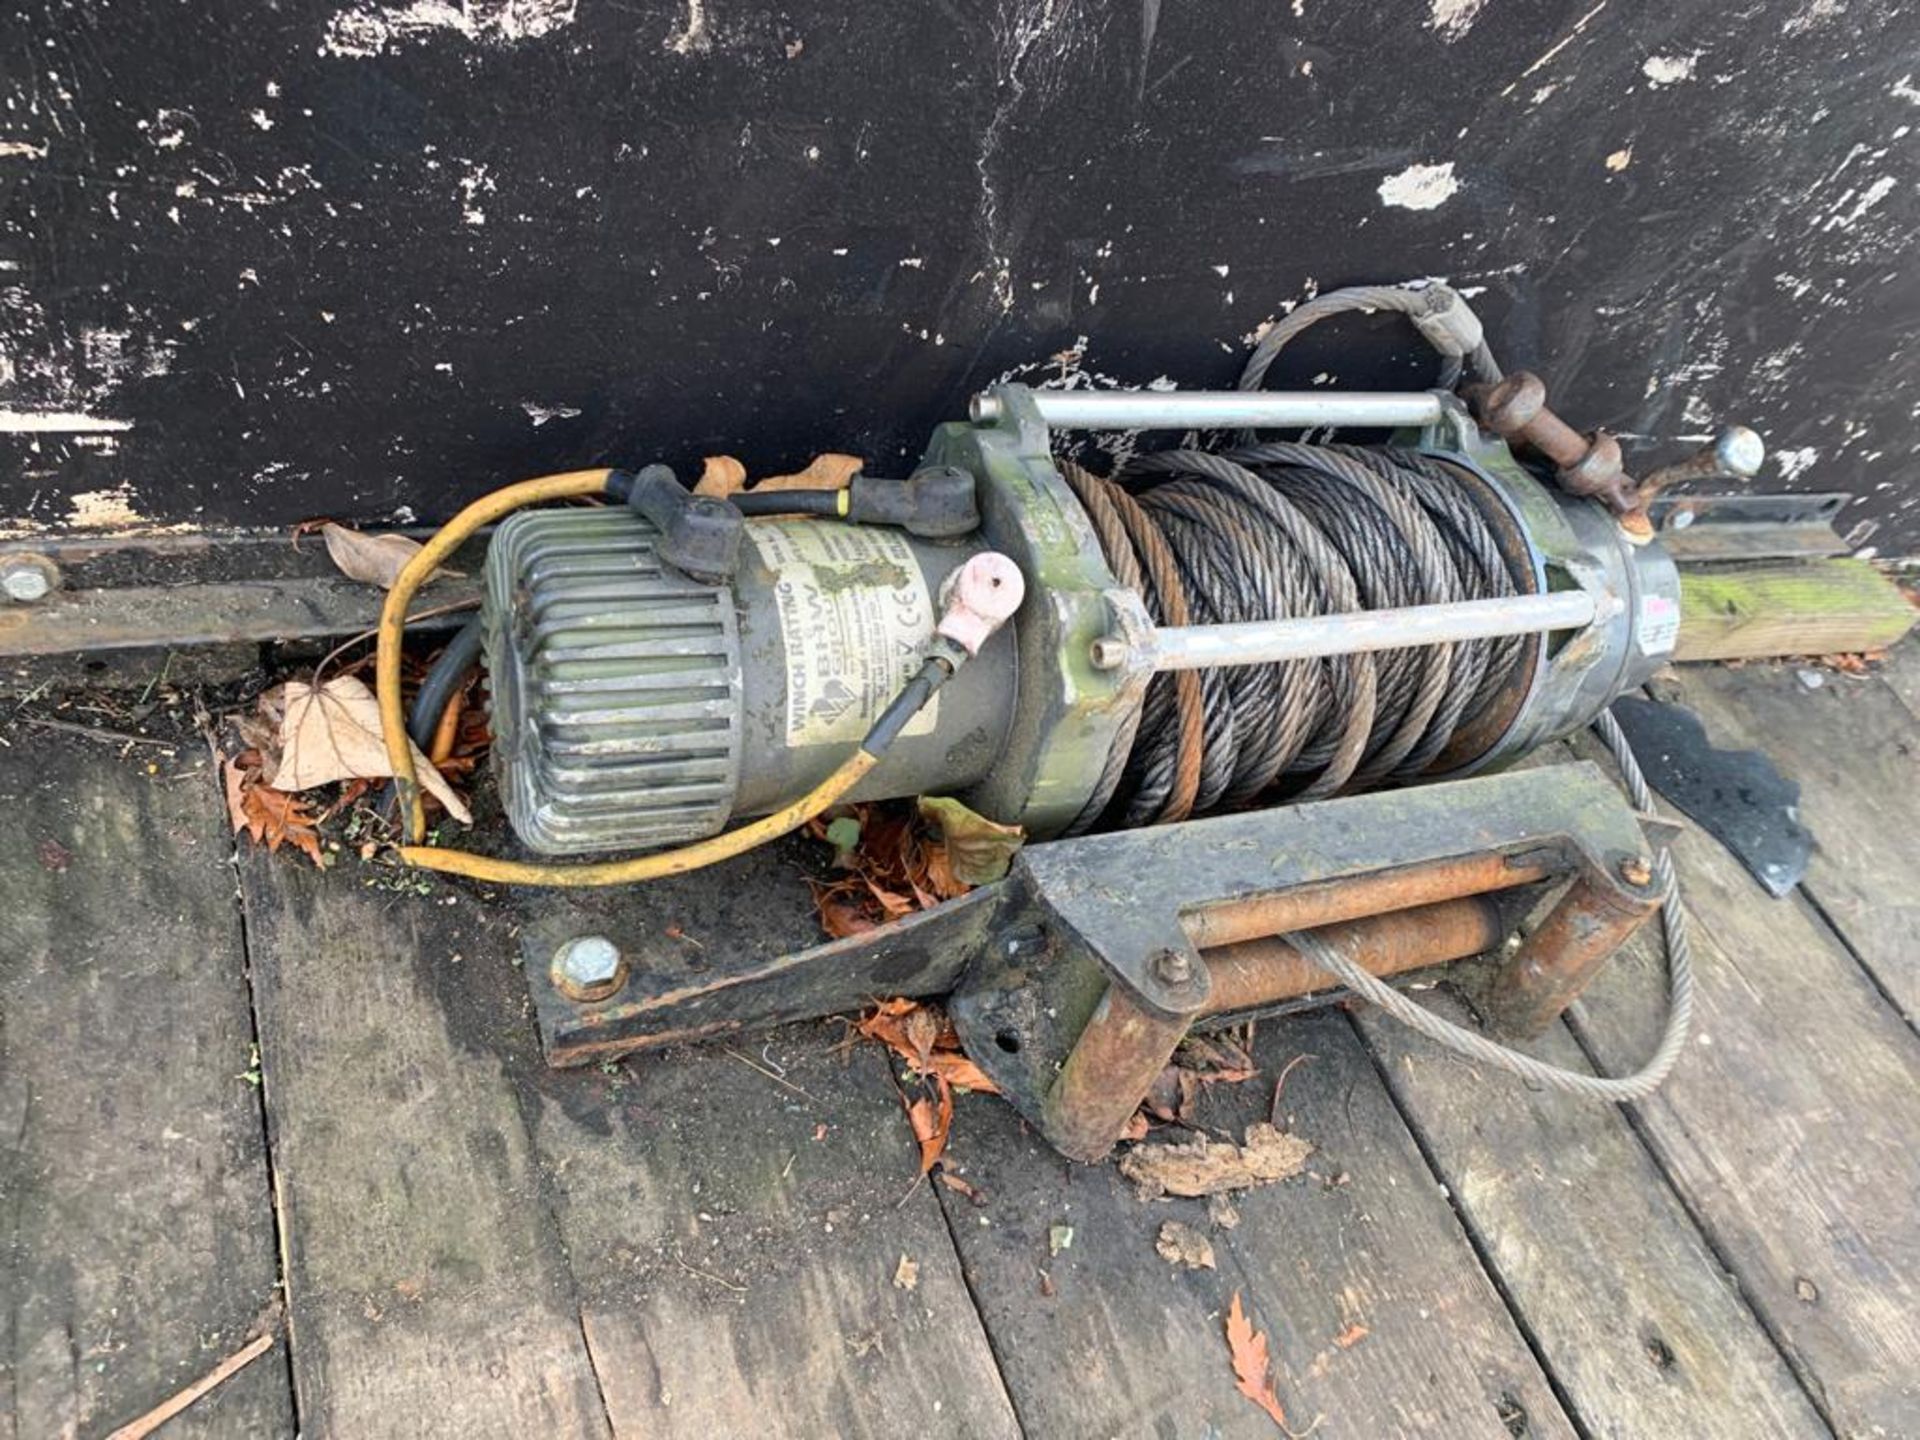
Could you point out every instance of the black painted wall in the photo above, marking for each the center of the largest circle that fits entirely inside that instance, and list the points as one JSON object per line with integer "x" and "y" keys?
{"x": 260, "y": 261}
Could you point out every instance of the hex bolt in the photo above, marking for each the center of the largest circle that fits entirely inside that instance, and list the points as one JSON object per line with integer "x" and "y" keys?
{"x": 1173, "y": 967}
{"x": 26, "y": 577}
{"x": 1637, "y": 871}
{"x": 588, "y": 969}
{"x": 1109, "y": 652}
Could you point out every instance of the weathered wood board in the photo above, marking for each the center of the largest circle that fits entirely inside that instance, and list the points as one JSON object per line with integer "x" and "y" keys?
{"x": 1800, "y": 607}
{"x": 752, "y": 1253}
{"x": 429, "y": 1292}
{"x": 1854, "y": 750}
{"x": 1788, "y": 1130}
{"x": 1379, "y": 1317}
{"x": 138, "y": 1242}
{"x": 1642, "y": 1328}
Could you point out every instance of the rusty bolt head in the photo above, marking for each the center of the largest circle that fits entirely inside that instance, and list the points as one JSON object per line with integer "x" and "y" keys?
{"x": 588, "y": 968}
{"x": 1637, "y": 871}
{"x": 1109, "y": 652}
{"x": 1173, "y": 967}
{"x": 25, "y": 578}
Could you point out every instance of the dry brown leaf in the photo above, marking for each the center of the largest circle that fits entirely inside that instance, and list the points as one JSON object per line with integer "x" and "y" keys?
{"x": 372, "y": 559}
{"x": 1251, "y": 1363}
{"x": 931, "y": 1123}
{"x": 1205, "y": 1167}
{"x": 270, "y": 816}
{"x": 827, "y": 472}
{"x": 333, "y": 733}
{"x": 978, "y": 850}
{"x": 1180, "y": 1244}
{"x": 925, "y": 1038}
{"x": 720, "y": 476}
{"x": 975, "y": 1195}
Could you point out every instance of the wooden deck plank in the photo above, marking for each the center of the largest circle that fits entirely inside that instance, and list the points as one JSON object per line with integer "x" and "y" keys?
{"x": 428, "y": 1288}
{"x": 138, "y": 1242}
{"x": 1854, "y": 749}
{"x": 1642, "y": 1328}
{"x": 1125, "y": 1345}
{"x": 737, "y": 1246}
{"x": 1788, "y": 1128}
{"x": 1901, "y": 674}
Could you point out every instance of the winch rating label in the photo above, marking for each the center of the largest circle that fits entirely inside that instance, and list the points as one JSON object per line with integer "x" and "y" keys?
{"x": 854, "y": 616}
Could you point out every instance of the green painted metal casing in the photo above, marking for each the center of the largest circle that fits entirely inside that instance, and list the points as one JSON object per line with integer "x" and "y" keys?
{"x": 1069, "y": 714}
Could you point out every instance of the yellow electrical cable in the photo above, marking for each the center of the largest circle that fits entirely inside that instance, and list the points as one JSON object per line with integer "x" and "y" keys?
{"x": 393, "y": 724}
{"x": 650, "y": 867}
{"x": 393, "y": 615}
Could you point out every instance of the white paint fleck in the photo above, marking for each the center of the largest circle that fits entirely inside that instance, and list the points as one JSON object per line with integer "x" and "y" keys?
{"x": 1815, "y": 14}
{"x": 1544, "y": 93}
{"x": 168, "y": 128}
{"x": 1420, "y": 187}
{"x": 22, "y": 149}
{"x": 913, "y": 262}
{"x": 1452, "y": 19}
{"x": 104, "y": 509}
{"x": 1620, "y": 159}
{"x": 1222, "y": 270}
{"x": 473, "y": 185}
{"x": 57, "y": 422}
{"x": 261, "y": 118}
{"x": 692, "y": 37}
{"x": 1668, "y": 69}
{"x": 370, "y": 28}
{"x": 1904, "y": 89}
{"x": 541, "y": 414}
{"x": 1867, "y": 199}
{"x": 1793, "y": 463}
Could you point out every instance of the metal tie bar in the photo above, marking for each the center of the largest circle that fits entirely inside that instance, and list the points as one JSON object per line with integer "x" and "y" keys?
{"x": 1267, "y": 642}
{"x": 1219, "y": 409}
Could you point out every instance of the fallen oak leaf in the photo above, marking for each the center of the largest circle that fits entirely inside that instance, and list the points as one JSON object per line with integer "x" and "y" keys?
{"x": 372, "y": 559}
{"x": 333, "y": 733}
{"x": 1251, "y": 1362}
{"x": 270, "y": 816}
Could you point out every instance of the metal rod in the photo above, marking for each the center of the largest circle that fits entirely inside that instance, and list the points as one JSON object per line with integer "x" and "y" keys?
{"x": 1266, "y": 642}
{"x": 1354, "y": 897}
{"x": 1218, "y": 409}
{"x": 1252, "y": 973}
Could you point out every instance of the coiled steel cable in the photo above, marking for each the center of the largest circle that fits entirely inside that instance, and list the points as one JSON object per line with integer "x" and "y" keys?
{"x": 1273, "y": 529}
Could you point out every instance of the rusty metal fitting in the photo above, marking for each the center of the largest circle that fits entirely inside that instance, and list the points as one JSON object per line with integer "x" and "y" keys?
{"x": 1516, "y": 410}
{"x": 1173, "y": 967}
{"x": 1637, "y": 871}
{"x": 588, "y": 969}
{"x": 26, "y": 577}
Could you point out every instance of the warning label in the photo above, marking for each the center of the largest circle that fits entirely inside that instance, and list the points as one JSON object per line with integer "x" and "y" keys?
{"x": 1659, "y": 626}
{"x": 854, "y": 614}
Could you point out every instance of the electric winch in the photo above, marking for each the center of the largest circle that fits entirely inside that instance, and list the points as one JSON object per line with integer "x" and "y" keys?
{"x": 1252, "y": 700}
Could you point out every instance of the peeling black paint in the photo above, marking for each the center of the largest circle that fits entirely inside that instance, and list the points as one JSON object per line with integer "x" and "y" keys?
{"x": 353, "y": 283}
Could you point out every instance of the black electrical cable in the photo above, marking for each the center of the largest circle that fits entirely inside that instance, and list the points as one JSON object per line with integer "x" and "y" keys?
{"x": 442, "y": 679}
{"x": 790, "y": 502}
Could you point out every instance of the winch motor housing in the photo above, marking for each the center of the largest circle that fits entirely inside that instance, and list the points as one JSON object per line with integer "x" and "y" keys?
{"x": 636, "y": 707}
